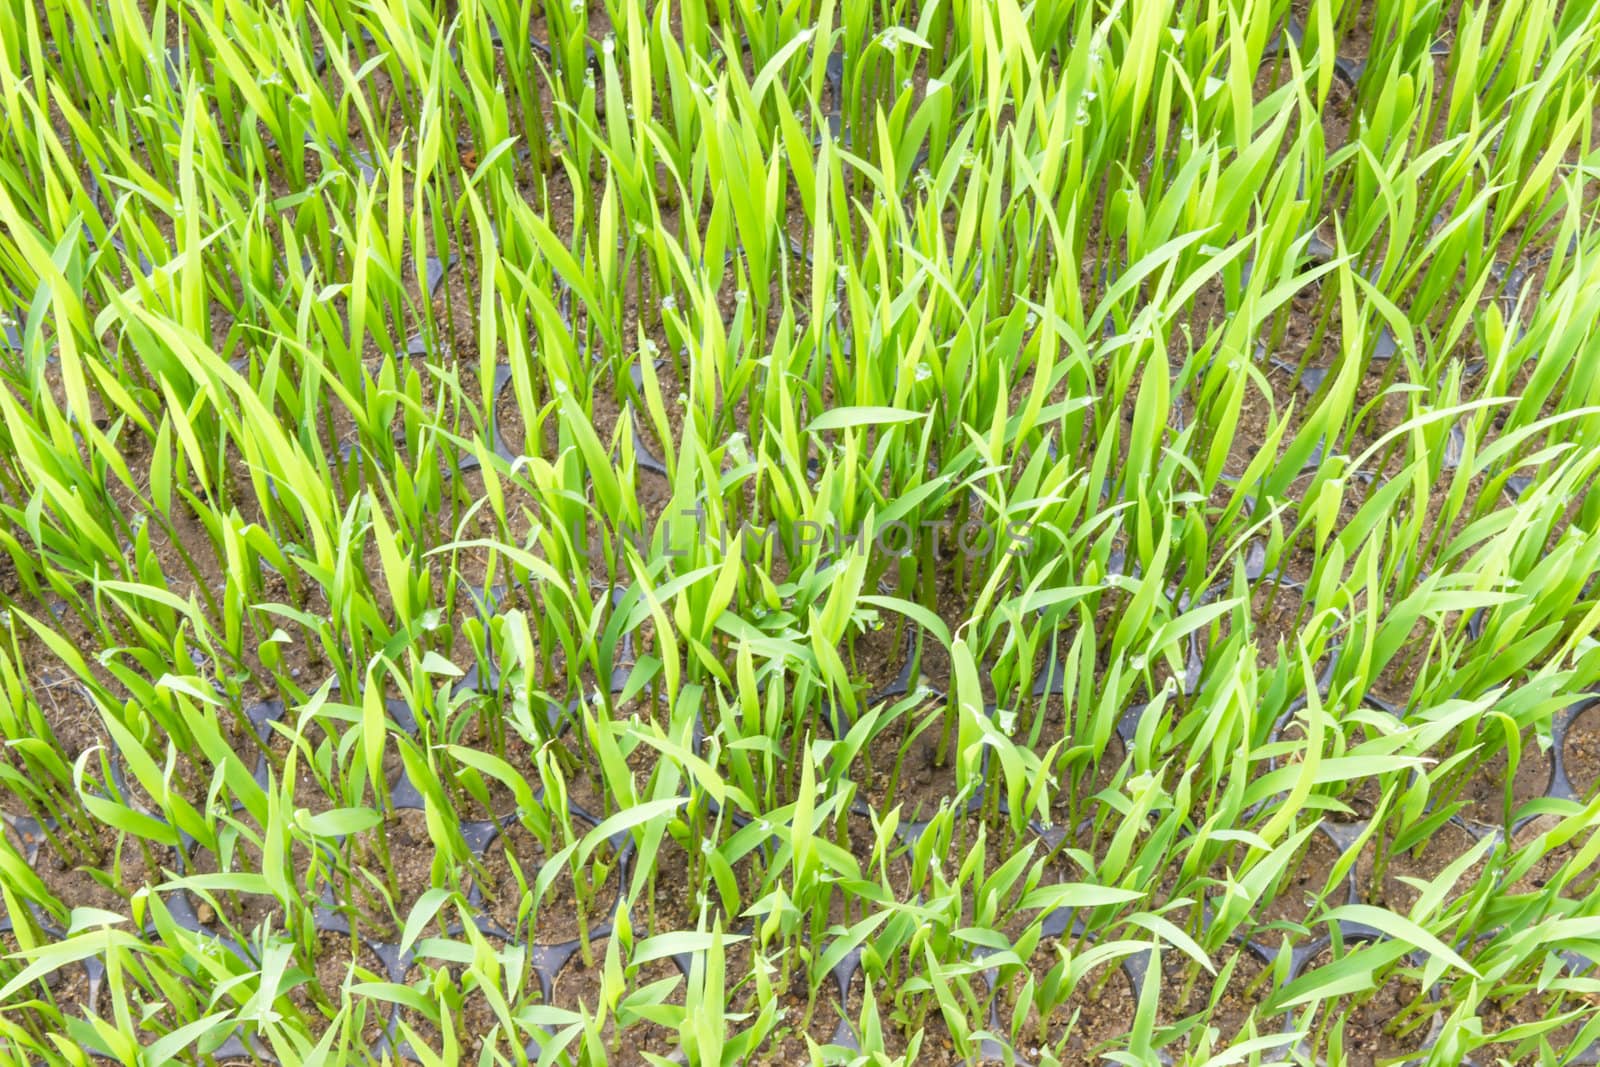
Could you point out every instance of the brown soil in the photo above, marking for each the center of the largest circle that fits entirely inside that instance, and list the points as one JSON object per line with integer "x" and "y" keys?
{"x": 338, "y": 959}
{"x": 1362, "y": 798}
{"x": 1484, "y": 791}
{"x": 802, "y": 1022}
{"x": 1426, "y": 862}
{"x": 1499, "y": 1015}
{"x": 1397, "y": 682}
{"x": 514, "y": 851}
{"x": 878, "y": 654}
{"x": 937, "y": 1047}
{"x": 70, "y": 989}
{"x": 466, "y": 1015}
{"x": 71, "y": 715}
{"x": 1086, "y": 777}
{"x": 587, "y": 789}
{"x": 1092, "y": 1020}
{"x": 1279, "y": 615}
{"x": 1258, "y": 416}
{"x": 9, "y": 968}
{"x": 675, "y": 905}
{"x": 124, "y": 868}
{"x": 241, "y": 912}
{"x": 381, "y": 913}
{"x": 1187, "y": 991}
{"x": 1549, "y": 865}
{"x": 998, "y": 849}
{"x": 1582, "y": 752}
{"x": 888, "y": 868}
{"x": 554, "y": 917}
{"x": 1377, "y": 1027}
{"x": 1304, "y": 887}
{"x": 579, "y": 985}
{"x": 905, "y": 764}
